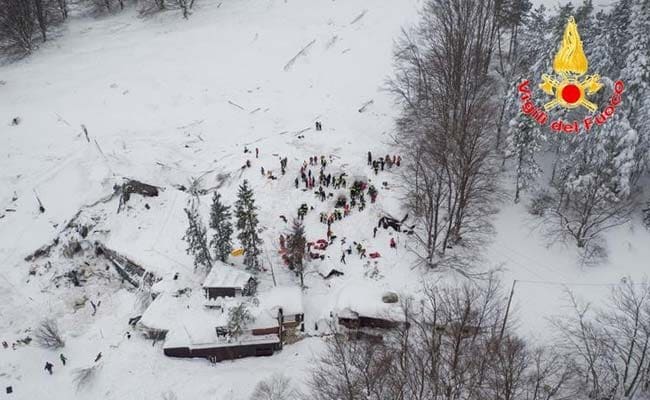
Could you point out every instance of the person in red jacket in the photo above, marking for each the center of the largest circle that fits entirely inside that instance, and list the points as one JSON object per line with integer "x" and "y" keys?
{"x": 392, "y": 243}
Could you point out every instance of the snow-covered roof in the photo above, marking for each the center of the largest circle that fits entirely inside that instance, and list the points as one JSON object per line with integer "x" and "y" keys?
{"x": 362, "y": 299}
{"x": 289, "y": 298}
{"x": 167, "y": 312}
{"x": 264, "y": 319}
{"x": 225, "y": 276}
{"x": 197, "y": 329}
{"x": 170, "y": 285}
{"x": 181, "y": 338}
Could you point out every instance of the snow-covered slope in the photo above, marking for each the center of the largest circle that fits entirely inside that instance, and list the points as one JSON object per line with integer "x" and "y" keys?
{"x": 163, "y": 100}
{"x": 166, "y": 99}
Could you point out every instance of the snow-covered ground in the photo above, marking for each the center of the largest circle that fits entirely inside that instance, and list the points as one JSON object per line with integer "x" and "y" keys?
{"x": 166, "y": 99}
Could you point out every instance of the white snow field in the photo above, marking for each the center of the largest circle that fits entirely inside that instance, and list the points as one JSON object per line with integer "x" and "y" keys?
{"x": 166, "y": 99}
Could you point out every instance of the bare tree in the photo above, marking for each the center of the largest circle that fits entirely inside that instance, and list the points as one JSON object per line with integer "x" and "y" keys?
{"x": 611, "y": 345}
{"x": 276, "y": 387}
{"x": 350, "y": 370}
{"x": 17, "y": 26}
{"x": 83, "y": 377}
{"x": 447, "y": 125}
{"x": 41, "y": 17}
{"x": 152, "y": 6}
{"x": 63, "y": 8}
{"x": 169, "y": 395}
{"x": 48, "y": 334}
{"x": 582, "y": 212}
{"x": 550, "y": 376}
{"x": 451, "y": 347}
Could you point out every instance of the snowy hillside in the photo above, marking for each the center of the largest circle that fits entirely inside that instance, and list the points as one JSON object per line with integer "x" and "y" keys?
{"x": 165, "y": 101}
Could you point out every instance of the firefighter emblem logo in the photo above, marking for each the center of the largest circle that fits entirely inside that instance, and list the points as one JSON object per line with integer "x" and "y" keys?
{"x": 570, "y": 87}
{"x": 570, "y": 64}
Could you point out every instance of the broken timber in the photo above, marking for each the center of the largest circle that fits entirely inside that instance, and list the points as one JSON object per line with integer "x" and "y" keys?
{"x": 125, "y": 267}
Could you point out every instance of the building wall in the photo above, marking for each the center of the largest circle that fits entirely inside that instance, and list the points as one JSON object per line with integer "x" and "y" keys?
{"x": 367, "y": 322}
{"x": 224, "y": 353}
{"x": 213, "y": 293}
{"x": 265, "y": 331}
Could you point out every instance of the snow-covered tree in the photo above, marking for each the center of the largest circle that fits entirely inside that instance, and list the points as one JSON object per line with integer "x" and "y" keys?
{"x": 636, "y": 74}
{"x": 296, "y": 242}
{"x": 246, "y": 214}
{"x": 597, "y": 186}
{"x": 197, "y": 239}
{"x": 511, "y": 15}
{"x": 238, "y": 318}
{"x": 220, "y": 221}
{"x": 276, "y": 387}
{"x": 523, "y": 142}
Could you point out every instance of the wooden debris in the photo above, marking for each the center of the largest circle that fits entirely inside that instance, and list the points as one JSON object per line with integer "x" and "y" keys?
{"x": 365, "y": 105}
{"x": 131, "y": 186}
{"x": 302, "y": 52}
{"x": 236, "y": 105}
{"x": 358, "y": 18}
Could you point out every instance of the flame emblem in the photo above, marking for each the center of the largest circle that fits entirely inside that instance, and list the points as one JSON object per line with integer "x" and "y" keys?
{"x": 570, "y": 64}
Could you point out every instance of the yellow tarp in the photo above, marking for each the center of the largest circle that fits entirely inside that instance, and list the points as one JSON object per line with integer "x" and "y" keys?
{"x": 237, "y": 252}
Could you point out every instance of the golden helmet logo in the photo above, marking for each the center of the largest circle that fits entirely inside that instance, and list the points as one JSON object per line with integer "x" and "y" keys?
{"x": 570, "y": 87}
{"x": 570, "y": 63}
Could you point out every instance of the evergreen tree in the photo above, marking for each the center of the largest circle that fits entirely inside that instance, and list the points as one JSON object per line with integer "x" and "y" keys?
{"x": 238, "y": 318}
{"x": 296, "y": 243}
{"x": 536, "y": 47}
{"x": 510, "y": 17}
{"x": 636, "y": 75}
{"x": 220, "y": 221}
{"x": 619, "y": 34}
{"x": 197, "y": 239}
{"x": 246, "y": 214}
{"x": 523, "y": 142}
{"x": 596, "y": 187}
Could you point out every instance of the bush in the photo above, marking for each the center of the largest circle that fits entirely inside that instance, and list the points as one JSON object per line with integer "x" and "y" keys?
{"x": 277, "y": 387}
{"x": 540, "y": 203}
{"x": 156, "y": 335}
{"x": 169, "y": 396}
{"x": 238, "y": 318}
{"x": 84, "y": 376}
{"x": 48, "y": 335}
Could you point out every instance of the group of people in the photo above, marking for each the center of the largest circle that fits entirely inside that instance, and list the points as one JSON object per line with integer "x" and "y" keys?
{"x": 314, "y": 161}
{"x": 360, "y": 191}
{"x": 49, "y": 367}
{"x": 335, "y": 215}
{"x": 309, "y": 179}
{"x": 267, "y": 173}
{"x": 381, "y": 162}
{"x": 302, "y": 211}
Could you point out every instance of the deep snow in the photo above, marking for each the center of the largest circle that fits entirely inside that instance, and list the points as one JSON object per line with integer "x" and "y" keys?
{"x": 164, "y": 100}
